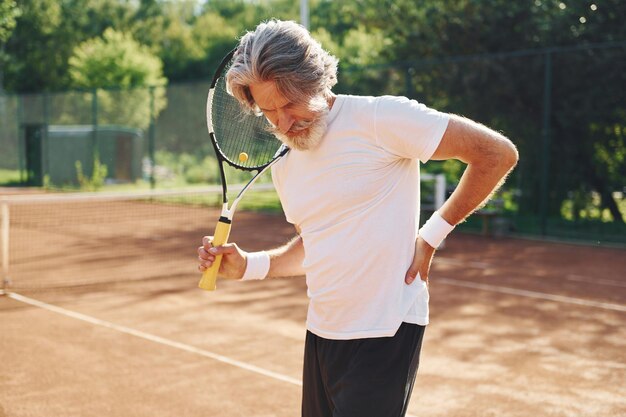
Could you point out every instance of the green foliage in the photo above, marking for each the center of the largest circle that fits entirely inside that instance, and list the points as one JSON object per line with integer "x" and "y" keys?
{"x": 117, "y": 60}
{"x": 507, "y": 93}
{"x": 9, "y": 177}
{"x": 166, "y": 28}
{"x": 46, "y": 34}
{"x": 441, "y": 52}
{"x": 202, "y": 172}
{"x": 265, "y": 201}
{"x": 114, "y": 60}
{"x": 215, "y": 36}
{"x": 195, "y": 169}
{"x": 451, "y": 168}
{"x": 245, "y": 15}
{"x": 9, "y": 12}
{"x": 28, "y": 66}
{"x": 585, "y": 206}
{"x": 97, "y": 179}
{"x": 188, "y": 168}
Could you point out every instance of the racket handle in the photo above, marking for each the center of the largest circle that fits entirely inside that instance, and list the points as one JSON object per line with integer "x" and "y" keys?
{"x": 220, "y": 237}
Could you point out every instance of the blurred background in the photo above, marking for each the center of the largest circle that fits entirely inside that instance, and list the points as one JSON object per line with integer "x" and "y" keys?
{"x": 110, "y": 94}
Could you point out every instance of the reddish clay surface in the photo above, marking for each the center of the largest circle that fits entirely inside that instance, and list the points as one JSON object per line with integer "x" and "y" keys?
{"x": 518, "y": 328}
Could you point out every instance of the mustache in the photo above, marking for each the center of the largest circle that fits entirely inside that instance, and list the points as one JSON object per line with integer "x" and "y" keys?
{"x": 305, "y": 139}
{"x": 296, "y": 127}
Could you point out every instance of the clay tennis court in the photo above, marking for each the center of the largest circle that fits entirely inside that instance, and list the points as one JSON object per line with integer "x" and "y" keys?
{"x": 518, "y": 327}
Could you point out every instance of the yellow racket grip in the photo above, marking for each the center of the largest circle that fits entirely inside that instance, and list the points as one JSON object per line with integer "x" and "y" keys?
{"x": 220, "y": 237}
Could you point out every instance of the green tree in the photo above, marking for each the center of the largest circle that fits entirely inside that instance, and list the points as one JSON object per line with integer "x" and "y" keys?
{"x": 445, "y": 53}
{"x": 114, "y": 60}
{"x": 30, "y": 64}
{"x": 8, "y": 14}
{"x": 215, "y": 37}
{"x": 45, "y": 35}
{"x": 117, "y": 61}
{"x": 165, "y": 27}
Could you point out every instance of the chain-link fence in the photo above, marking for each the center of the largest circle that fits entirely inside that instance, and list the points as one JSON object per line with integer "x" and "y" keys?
{"x": 564, "y": 108}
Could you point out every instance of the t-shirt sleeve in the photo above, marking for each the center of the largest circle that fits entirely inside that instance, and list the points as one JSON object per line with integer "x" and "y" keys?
{"x": 407, "y": 128}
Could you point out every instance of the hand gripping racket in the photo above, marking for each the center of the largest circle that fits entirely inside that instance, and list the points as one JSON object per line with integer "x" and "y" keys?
{"x": 241, "y": 140}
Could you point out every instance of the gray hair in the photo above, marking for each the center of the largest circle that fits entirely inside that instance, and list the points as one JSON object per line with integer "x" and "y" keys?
{"x": 283, "y": 52}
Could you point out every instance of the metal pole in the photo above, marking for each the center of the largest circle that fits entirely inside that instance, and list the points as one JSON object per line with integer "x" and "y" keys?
{"x": 151, "y": 144}
{"x": 440, "y": 196}
{"x": 408, "y": 82}
{"x": 21, "y": 140}
{"x": 45, "y": 157}
{"x": 304, "y": 13}
{"x": 546, "y": 139}
{"x": 4, "y": 242}
{"x": 440, "y": 190}
{"x": 94, "y": 129}
{"x": 2, "y": 46}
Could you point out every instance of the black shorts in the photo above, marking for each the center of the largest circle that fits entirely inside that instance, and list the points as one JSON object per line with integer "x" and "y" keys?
{"x": 362, "y": 377}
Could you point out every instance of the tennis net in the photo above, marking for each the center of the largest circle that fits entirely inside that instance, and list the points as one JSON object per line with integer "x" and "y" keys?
{"x": 69, "y": 240}
{"x": 78, "y": 239}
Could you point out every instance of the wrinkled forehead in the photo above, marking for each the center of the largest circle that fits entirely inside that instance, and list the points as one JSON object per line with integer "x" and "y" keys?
{"x": 267, "y": 96}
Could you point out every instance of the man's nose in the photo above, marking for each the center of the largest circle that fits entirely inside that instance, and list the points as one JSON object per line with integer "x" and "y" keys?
{"x": 285, "y": 121}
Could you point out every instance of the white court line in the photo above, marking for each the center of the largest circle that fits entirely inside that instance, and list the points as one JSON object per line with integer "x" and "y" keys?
{"x": 600, "y": 281}
{"x": 531, "y": 294}
{"x": 155, "y": 339}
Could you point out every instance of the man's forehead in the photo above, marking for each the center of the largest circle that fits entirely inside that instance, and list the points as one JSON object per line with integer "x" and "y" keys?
{"x": 267, "y": 96}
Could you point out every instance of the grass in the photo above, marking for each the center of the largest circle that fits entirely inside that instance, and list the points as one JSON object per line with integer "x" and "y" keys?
{"x": 264, "y": 201}
{"x": 261, "y": 201}
{"x": 9, "y": 177}
{"x": 585, "y": 229}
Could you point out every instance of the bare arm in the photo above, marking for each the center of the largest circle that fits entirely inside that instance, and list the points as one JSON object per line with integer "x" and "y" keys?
{"x": 489, "y": 157}
{"x": 286, "y": 261}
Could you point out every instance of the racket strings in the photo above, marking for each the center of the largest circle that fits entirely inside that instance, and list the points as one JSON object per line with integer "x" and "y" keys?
{"x": 237, "y": 132}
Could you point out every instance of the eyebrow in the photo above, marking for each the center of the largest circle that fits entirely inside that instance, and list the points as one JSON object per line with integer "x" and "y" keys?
{"x": 289, "y": 103}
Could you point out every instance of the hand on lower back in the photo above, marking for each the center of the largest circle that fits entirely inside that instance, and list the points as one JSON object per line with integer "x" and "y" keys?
{"x": 422, "y": 258}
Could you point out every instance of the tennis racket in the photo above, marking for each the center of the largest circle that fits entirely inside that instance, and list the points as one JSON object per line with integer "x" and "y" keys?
{"x": 241, "y": 140}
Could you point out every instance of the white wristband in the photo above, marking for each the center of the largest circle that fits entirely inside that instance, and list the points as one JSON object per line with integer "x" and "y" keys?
{"x": 435, "y": 230}
{"x": 257, "y": 266}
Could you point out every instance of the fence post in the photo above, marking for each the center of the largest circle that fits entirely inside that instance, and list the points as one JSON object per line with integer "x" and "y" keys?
{"x": 440, "y": 190}
{"x": 304, "y": 13}
{"x": 408, "y": 82}
{"x": 21, "y": 140}
{"x": 45, "y": 143}
{"x": 546, "y": 139}
{"x": 94, "y": 129}
{"x": 151, "y": 144}
{"x": 4, "y": 242}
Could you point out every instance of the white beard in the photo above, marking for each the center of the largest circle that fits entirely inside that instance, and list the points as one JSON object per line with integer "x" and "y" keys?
{"x": 305, "y": 135}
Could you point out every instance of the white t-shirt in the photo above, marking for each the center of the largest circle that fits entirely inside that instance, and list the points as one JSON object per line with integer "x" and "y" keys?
{"x": 356, "y": 201}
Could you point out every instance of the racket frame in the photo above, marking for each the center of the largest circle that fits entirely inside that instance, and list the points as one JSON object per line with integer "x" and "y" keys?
{"x": 222, "y": 230}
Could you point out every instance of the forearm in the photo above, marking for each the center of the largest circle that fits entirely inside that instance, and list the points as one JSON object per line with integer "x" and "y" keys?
{"x": 489, "y": 158}
{"x": 478, "y": 183}
{"x": 286, "y": 261}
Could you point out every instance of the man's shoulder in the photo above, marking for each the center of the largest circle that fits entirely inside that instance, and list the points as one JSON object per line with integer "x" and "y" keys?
{"x": 356, "y": 103}
{"x": 388, "y": 101}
